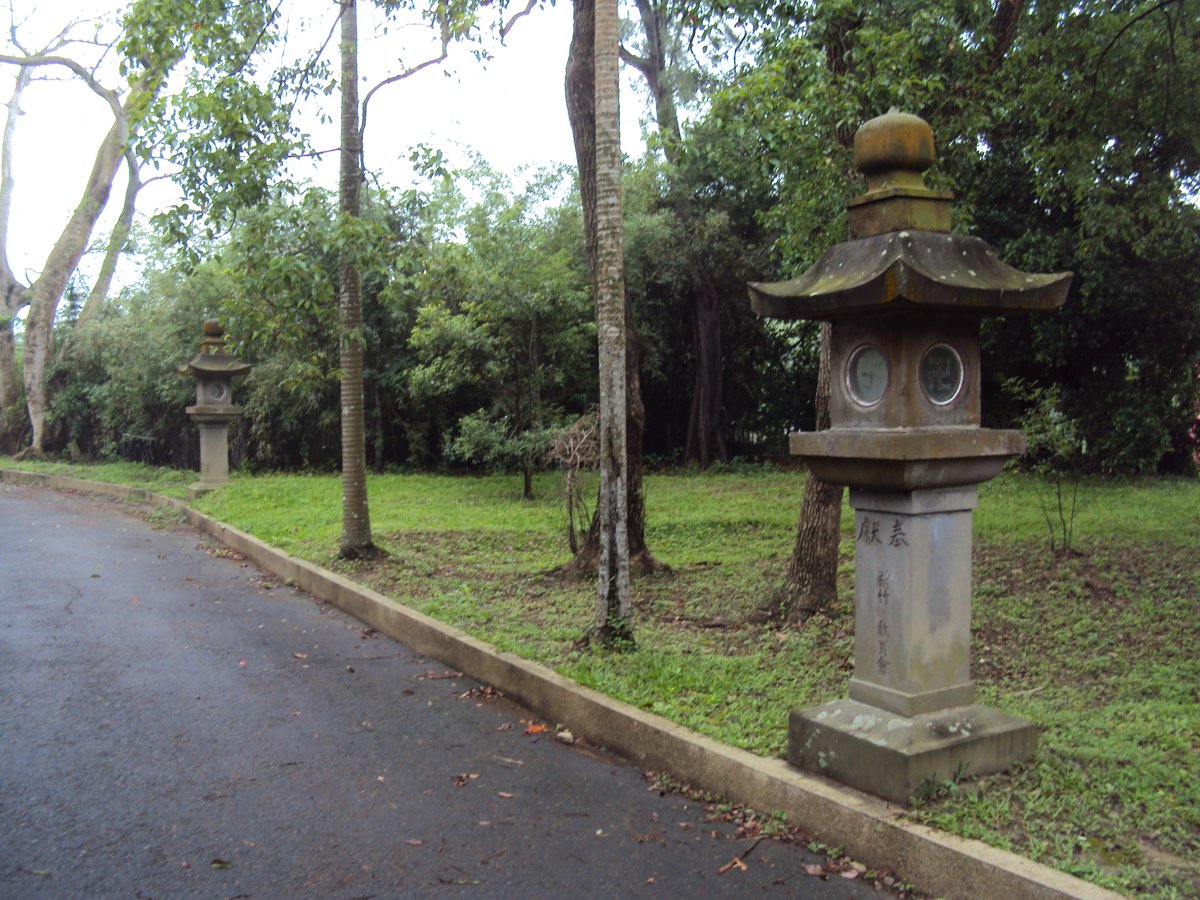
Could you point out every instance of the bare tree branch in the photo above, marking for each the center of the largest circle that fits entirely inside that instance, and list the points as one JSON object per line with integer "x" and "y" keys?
{"x": 7, "y": 182}
{"x": 529, "y": 7}
{"x": 640, "y": 63}
{"x": 446, "y": 37}
{"x": 116, "y": 243}
{"x": 109, "y": 96}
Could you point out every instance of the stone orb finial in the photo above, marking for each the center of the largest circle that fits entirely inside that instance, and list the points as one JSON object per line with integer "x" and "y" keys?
{"x": 214, "y": 337}
{"x": 894, "y": 142}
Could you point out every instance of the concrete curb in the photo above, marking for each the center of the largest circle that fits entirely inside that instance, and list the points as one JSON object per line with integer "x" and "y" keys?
{"x": 870, "y": 830}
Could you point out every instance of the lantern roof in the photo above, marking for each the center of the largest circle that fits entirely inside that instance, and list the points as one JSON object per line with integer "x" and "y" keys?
{"x": 909, "y": 270}
{"x": 212, "y": 360}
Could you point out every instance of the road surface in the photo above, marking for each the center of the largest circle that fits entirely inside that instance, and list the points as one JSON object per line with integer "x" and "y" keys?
{"x": 177, "y": 724}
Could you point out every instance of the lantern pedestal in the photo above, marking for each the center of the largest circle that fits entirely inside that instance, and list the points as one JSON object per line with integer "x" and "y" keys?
{"x": 911, "y": 716}
{"x": 213, "y": 422}
{"x": 896, "y": 757}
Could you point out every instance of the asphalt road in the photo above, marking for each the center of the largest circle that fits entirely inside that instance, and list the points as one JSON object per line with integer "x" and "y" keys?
{"x": 176, "y": 724}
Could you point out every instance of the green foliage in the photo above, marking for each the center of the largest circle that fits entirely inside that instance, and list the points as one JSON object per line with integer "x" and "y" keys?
{"x": 504, "y": 330}
{"x": 763, "y": 390}
{"x": 119, "y": 392}
{"x": 225, "y": 132}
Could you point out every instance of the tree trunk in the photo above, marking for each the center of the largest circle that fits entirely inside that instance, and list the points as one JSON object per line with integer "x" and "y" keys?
{"x": 45, "y": 293}
{"x": 613, "y": 625}
{"x": 705, "y": 440}
{"x": 13, "y": 295}
{"x": 116, "y": 246}
{"x": 356, "y": 540}
{"x": 580, "y": 81}
{"x": 810, "y": 584}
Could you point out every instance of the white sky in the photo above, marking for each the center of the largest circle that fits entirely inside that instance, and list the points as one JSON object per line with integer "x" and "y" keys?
{"x": 511, "y": 111}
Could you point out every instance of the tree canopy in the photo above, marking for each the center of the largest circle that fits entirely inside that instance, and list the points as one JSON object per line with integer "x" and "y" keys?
{"x": 1069, "y": 133}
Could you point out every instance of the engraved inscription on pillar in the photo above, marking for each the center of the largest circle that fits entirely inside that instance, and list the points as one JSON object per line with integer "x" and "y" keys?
{"x": 885, "y": 544}
{"x": 912, "y": 600}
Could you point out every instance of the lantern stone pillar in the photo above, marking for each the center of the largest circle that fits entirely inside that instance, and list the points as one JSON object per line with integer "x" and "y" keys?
{"x": 213, "y": 412}
{"x": 905, "y": 297}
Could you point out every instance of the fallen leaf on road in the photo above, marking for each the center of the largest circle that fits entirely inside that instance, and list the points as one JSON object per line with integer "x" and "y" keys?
{"x": 221, "y": 864}
{"x": 814, "y": 870}
{"x": 299, "y": 656}
{"x": 459, "y": 780}
{"x": 504, "y": 795}
{"x": 415, "y": 842}
{"x": 735, "y": 863}
{"x": 850, "y": 873}
{"x": 536, "y": 728}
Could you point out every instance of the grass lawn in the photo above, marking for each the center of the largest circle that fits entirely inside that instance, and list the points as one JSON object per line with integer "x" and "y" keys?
{"x": 1098, "y": 647}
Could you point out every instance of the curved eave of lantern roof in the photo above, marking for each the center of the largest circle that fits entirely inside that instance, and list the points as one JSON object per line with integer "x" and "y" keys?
{"x": 209, "y": 364}
{"x": 909, "y": 270}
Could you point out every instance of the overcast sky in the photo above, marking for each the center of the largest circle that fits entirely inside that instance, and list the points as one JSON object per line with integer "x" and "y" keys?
{"x": 511, "y": 111}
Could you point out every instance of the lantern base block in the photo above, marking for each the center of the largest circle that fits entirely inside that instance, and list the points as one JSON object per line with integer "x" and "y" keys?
{"x": 897, "y": 757}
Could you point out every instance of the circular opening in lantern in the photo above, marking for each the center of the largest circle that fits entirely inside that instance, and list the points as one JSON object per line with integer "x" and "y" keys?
{"x": 216, "y": 390}
{"x": 867, "y": 375}
{"x": 941, "y": 374}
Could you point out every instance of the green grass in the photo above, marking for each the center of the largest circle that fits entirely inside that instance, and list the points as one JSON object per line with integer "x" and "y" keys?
{"x": 169, "y": 482}
{"x": 1099, "y": 648}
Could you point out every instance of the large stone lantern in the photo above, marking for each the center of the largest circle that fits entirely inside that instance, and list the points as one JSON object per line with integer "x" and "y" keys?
{"x": 905, "y": 298}
{"x": 214, "y": 371}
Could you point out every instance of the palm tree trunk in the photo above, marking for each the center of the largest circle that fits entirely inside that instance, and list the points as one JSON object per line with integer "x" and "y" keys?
{"x": 614, "y": 606}
{"x": 356, "y": 520}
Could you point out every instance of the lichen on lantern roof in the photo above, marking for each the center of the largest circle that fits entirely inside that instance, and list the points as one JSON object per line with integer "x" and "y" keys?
{"x": 915, "y": 270}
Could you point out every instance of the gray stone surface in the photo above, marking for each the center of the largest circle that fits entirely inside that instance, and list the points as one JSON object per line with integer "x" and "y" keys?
{"x": 895, "y": 756}
{"x": 912, "y": 597}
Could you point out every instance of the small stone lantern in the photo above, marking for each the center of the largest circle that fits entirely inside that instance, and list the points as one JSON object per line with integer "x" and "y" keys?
{"x": 905, "y": 298}
{"x": 214, "y": 371}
